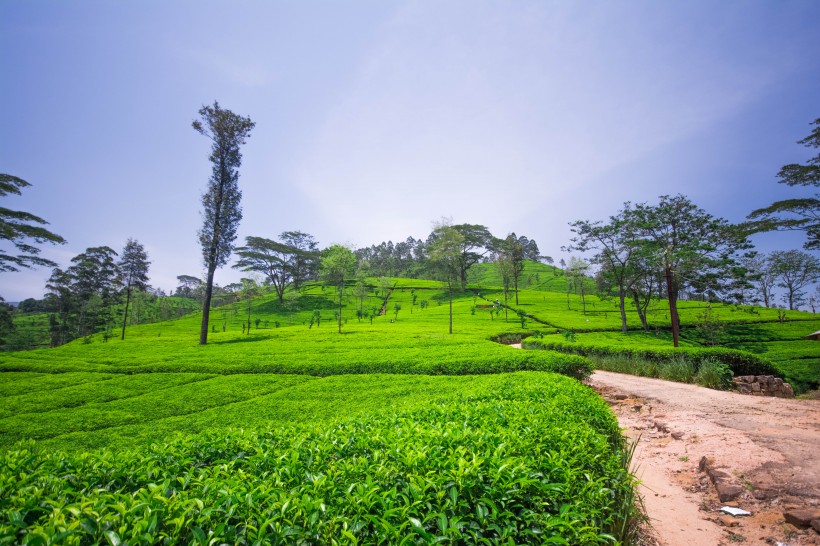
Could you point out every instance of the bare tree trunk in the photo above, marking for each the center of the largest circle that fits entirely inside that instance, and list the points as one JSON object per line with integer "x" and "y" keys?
{"x": 125, "y": 314}
{"x": 341, "y": 292}
{"x": 206, "y": 306}
{"x": 451, "y": 309}
{"x": 641, "y": 315}
{"x": 672, "y": 294}
{"x": 622, "y": 306}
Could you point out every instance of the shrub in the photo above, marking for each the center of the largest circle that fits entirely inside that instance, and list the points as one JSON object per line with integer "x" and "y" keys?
{"x": 740, "y": 362}
{"x": 539, "y": 464}
{"x": 714, "y": 374}
{"x": 678, "y": 369}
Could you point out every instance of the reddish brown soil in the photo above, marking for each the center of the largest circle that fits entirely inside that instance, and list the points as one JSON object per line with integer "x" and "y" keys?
{"x": 768, "y": 446}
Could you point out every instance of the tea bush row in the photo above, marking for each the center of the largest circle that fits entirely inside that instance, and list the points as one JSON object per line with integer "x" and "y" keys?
{"x": 530, "y": 464}
{"x": 740, "y": 362}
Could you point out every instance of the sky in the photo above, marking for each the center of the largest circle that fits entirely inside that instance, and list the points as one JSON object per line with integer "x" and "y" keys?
{"x": 374, "y": 119}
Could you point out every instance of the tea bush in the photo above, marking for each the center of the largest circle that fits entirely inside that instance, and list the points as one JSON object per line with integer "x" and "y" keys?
{"x": 538, "y": 460}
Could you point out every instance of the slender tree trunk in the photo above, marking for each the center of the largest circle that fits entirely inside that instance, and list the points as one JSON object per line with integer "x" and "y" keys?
{"x": 125, "y": 314}
{"x": 641, "y": 315}
{"x": 451, "y": 309}
{"x": 583, "y": 300}
{"x": 515, "y": 285}
{"x": 341, "y": 292}
{"x": 249, "y": 314}
{"x": 672, "y": 294}
{"x": 206, "y": 306}
{"x": 622, "y": 306}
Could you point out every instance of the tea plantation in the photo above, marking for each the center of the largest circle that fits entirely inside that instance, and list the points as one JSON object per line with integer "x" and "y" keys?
{"x": 393, "y": 431}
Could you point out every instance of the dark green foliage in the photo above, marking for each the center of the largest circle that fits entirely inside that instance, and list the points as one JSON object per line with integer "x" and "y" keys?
{"x": 23, "y": 230}
{"x": 221, "y": 210}
{"x": 801, "y": 213}
{"x": 741, "y": 363}
{"x": 534, "y": 462}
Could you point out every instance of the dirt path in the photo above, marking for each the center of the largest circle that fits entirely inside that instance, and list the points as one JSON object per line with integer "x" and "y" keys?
{"x": 768, "y": 447}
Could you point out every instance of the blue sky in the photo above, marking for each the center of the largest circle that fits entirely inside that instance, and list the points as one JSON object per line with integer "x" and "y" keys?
{"x": 376, "y": 118}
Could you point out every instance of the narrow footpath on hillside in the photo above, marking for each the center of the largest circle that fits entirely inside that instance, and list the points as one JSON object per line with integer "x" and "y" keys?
{"x": 764, "y": 452}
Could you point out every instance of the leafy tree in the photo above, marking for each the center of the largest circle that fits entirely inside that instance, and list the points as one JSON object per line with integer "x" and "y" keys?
{"x": 794, "y": 270}
{"x": 61, "y": 300}
{"x": 475, "y": 242}
{"x": 338, "y": 263}
{"x": 303, "y": 262}
{"x": 250, "y": 290}
{"x": 188, "y": 286}
{"x": 760, "y": 275}
{"x": 577, "y": 272}
{"x": 23, "y": 231}
{"x": 447, "y": 257}
{"x": 270, "y": 258}
{"x": 510, "y": 255}
{"x": 504, "y": 267}
{"x": 221, "y": 202}
{"x": 802, "y": 213}
{"x": 6, "y": 321}
{"x": 84, "y": 294}
{"x": 616, "y": 251}
{"x": 134, "y": 271}
{"x": 692, "y": 247}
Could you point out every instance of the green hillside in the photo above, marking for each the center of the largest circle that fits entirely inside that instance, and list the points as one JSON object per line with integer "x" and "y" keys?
{"x": 448, "y": 436}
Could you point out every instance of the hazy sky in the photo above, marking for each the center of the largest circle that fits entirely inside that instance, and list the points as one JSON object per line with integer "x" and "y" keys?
{"x": 375, "y": 118}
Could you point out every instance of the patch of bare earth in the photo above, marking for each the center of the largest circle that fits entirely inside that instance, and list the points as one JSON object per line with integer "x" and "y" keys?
{"x": 765, "y": 451}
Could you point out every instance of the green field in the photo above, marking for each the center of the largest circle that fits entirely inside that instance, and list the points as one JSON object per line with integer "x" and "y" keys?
{"x": 392, "y": 430}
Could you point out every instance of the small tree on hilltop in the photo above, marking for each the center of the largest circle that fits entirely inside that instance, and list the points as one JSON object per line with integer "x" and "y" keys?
{"x": 134, "y": 273}
{"x": 794, "y": 270}
{"x": 338, "y": 264}
{"x": 446, "y": 257}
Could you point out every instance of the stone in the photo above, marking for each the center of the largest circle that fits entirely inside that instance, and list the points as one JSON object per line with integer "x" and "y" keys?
{"x": 755, "y": 387}
{"x": 661, "y": 426}
{"x": 802, "y": 517}
{"x": 728, "y": 491}
{"x": 621, "y": 397}
{"x": 677, "y": 435}
{"x": 744, "y": 388}
{"x": 815, "y": 524}
{"x": 788, "y": 391}
{"x": 717, "y": 475}
{"x": 705, "y": 463}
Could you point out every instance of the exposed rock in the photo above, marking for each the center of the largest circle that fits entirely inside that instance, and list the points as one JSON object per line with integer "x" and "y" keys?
{"x": 763, "y": 385}
{"x": 802, "y": 518}
{"x": 727, "y": 491}
{"x": 621, "y": 397}
{"x": 815, "y": 523}
{"x": 662, "y": 427}
{"x": 705, "y": 462}
{"x": 677, "y": 435}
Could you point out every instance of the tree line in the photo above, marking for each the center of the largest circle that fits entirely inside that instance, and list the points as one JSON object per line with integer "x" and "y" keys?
{"x": 642, "y": 251}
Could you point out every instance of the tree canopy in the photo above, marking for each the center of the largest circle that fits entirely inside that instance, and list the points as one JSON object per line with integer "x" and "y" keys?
{"x": 23, "y": 231}
{"x": 800, "y": 213}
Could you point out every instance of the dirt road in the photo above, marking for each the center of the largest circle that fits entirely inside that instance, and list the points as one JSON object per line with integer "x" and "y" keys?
{"x": 769, "y": 448}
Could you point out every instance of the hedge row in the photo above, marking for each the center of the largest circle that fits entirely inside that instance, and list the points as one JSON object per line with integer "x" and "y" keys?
{"x": 740, "y": 362}
{"x": 543, "y": 464}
